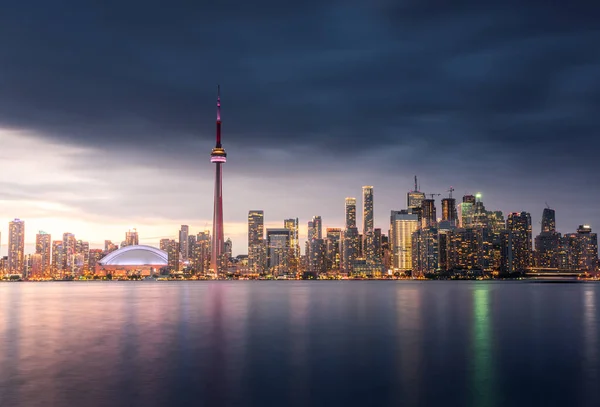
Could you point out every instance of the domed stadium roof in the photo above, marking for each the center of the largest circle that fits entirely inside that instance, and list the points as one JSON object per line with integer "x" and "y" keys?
{"x": 138, "y": 255}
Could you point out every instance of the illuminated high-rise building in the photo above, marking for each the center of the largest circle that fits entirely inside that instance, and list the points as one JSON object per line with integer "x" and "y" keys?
{"x": 278, "y": 248}
{"x": 201, "y": 252}
{"x": 95, "y": 256}
{"x": 518, "y": 225}
{"x": 172, "y": 249}
{"x": 414, "y": 198}
{"x": 425, "y": 251}
{"x": 256, "y": 244}
{"x": 82, "y": 250}
{"x": 368, "y": 243}
{"x": 548, "y": 220}
{"x": 548, "y": 242}
{"x": 466, "y": 210}
{"x": 58, "y": 258}
{"x": 449, "y": 211}
{"x": 350, "y": 211}
{"x": 294, "y": 260}
{"x": 350, "y": 248}
{"x": 36, "y": 270}
{"x": 367, "y": 210}
{"x": 317, "y": 227}
{"x": 228, "y": 250}
{"x": 16, "y": 246}
{"x": 164, "y": 244}
{"x": 218, "y": 157}
{"x": 465, "y": 250}
{"x": 43, "y": 247}
{"x": 480, "y": 214}
{"x": 582, "y": 250}
{"x": 69, "y": 248}
{"x": 428, "y": 214}
{"x": 333, "y": 247}
{"x": 402, "y": 226}
{"x": 184, "y": 242}
{"x": 132, "y": 238}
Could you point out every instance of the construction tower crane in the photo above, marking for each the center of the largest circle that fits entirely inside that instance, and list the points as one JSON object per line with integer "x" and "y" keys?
{"x": 432, "y": 195}
{"x": 451, "y": 190}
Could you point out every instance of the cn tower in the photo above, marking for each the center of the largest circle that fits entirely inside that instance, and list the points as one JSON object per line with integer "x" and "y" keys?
{"x": 219, "y": 157}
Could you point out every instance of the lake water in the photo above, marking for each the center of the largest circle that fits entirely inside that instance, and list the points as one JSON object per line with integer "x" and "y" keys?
{"x": 354, "y": 343}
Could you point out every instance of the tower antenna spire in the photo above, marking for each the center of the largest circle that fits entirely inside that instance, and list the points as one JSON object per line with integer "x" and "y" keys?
{"x": 218, "y": 116}
{"x": 416, "y": 188}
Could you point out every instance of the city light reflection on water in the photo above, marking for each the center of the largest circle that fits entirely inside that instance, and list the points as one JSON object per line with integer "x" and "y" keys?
{"x": 298, "y": 343}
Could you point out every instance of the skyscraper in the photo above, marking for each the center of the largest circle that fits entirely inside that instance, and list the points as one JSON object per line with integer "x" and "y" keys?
{"x": 428, "y": 214}
{"x": 256, "y": 245}
{"x": 58, "y": 258}
{"x": 414, "y": 198}
{"x": 184, "y": 232}
{"x": 82, "y": 250}
{"x": 402, "y": 226}
{"x": 368, "y": 242}
{"x": 465, "y": 211}
{"x": 367, "y": 210}
{"x": 278, "y": 246}
{"x": 425, "y": 251}
{"x": 449, "y": 211}
{"x": 350, "y": 248}
{"x": 16, "y": 246}
{"x": 131, "y": 238}
{"x": 333, "y": 244}
{"x": 350, "y": 210}
{"x": 294, "y": 261}
{"x": 548, "y": 220}
{"x": 318, "y": 227}
{"x": 69, "y": 249}
{"x": 582, "y": 250}
{"x": 43, "y": 247}
{"x": 547, "y": 243}
{"x": 518, "y": 225}
{"x": 218, "y": 157}
{"x": 172, "y": 249}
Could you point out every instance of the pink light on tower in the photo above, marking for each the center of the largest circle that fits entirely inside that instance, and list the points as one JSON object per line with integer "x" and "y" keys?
{"x": 218, "y": 157}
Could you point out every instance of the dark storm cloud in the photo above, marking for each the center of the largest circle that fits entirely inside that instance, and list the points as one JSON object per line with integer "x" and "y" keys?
{"x": 512, "y": 85}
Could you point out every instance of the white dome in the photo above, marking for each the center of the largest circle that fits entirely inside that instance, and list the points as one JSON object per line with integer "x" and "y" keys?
{"x": 138, "y": 255}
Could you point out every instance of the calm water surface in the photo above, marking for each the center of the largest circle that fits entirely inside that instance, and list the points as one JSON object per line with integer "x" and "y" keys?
{"x": 299, "y": 343}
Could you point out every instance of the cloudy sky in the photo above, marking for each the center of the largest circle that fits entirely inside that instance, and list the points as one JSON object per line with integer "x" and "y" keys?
{"x": 107, "y": 110}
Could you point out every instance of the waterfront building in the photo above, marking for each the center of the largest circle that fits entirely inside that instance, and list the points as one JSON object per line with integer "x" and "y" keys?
{"x": 43, "y": 247}
{"x": 136, "y": 259}
{"x": 69, "y": 250}
{"x": 425, "y": 251}
{"x": 518, "y": 225}
{"x": 402, "y": 226}
{"x": 278, "y": 250}
{"x": 294, "y": 259}
{"x": 256, "y": 245}
{"x": 16, "y": 246}
{"x": 58, "y": 258}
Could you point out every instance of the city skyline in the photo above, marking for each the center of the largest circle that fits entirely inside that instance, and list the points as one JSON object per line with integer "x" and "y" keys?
{"x": 303, "y": 228}
{"x": 497, "y": 99}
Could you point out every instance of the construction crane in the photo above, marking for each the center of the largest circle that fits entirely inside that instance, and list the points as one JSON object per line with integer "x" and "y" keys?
{"x": 432, "y": 195}
{"x": 451, "y": 190}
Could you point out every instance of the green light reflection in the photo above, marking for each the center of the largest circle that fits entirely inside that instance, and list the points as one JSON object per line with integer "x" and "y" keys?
{"x": 482, "y": 385}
